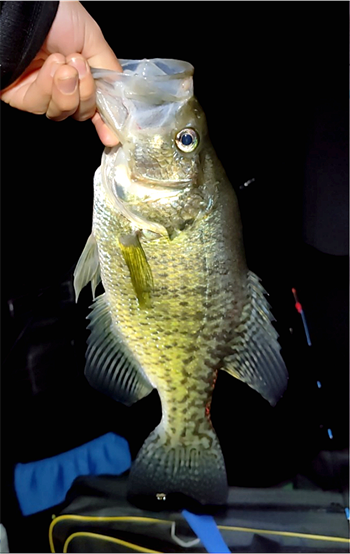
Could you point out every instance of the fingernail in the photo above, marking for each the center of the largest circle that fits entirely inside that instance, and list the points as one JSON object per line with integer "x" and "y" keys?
{"x": 80, "y": 65}
{"x": 67, "y": 86}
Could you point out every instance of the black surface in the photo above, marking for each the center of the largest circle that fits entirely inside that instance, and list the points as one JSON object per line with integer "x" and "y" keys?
{"x": 278, "y": 508}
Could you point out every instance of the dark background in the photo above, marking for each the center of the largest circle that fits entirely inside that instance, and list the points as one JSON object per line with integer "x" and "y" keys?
{"x": 272, "y": 78}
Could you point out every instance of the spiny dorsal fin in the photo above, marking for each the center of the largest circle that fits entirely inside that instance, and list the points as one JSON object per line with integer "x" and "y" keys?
{"x": 87, "y": 268}
{"x": 256, "y": 358}
{"x": 110, "y": 367}
{"x": 140, "y": 271}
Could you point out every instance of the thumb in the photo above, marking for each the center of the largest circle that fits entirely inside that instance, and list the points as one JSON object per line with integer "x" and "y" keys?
{"x": 75, "y": 30}
{"x": 103, "y": 56}
{"x": 95, "y": 47}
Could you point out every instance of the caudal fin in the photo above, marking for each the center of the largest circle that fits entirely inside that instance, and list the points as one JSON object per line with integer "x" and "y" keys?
{"x": 194, "y": 468}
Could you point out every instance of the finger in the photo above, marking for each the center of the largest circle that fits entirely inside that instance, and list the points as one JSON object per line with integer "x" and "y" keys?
{"x": 95, "y": 48}
{"x": 107, "y": 137}
{"x": 65, "y": 94}
{"x": 87, "y": 94}
{"x": 33, "y": 92}
{"x": 104, "y": 57}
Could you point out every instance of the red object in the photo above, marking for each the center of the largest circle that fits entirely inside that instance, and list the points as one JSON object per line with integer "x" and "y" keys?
{"x": 298, "y": 306}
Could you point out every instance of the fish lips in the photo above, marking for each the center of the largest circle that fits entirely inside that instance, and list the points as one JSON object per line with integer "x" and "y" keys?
{"x": 147, "y": 96}
{"x": 159, "y": 184}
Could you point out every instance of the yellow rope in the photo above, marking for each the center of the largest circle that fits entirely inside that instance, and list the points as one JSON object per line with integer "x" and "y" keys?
{"x": 109, "y": 539}
{"x": 96, "y": 518}
{"x": 285, "y": 534}
{"x": 168, "y": 522}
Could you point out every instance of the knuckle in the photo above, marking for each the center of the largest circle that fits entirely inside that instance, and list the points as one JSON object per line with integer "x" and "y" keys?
{"x": 87, "y": 98}
{"x": 58, "y": 112}
{"x": 66, "y": 104}
{"x": 83, "y": 116}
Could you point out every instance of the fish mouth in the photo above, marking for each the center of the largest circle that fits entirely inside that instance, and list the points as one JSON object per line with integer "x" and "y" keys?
{"x": 161, "y": 184}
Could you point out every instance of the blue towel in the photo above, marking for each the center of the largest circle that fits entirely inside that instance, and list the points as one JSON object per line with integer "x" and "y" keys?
{"x": 45, "y": 483}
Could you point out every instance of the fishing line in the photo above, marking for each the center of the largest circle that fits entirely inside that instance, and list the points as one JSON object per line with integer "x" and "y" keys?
{"x": 300, "y": 311}
{"x": 335, "y": 474}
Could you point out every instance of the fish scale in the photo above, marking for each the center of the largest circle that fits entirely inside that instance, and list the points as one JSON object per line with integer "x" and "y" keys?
{"x": 184, "y": 397}
{"x": 180, "y": 303}
{"x": 168, "y": 311}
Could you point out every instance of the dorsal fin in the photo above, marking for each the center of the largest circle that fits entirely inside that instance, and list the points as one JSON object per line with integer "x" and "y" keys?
{"x": 87, "y": 268}
{"x": 256, "y": 358}
{"x": 110, "y": 366}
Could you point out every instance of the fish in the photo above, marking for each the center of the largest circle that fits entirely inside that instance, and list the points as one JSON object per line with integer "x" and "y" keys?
{"x": 179, "y": 302}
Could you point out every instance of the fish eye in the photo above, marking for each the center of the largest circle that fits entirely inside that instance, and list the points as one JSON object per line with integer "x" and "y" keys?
{"x": 187, "y": 140}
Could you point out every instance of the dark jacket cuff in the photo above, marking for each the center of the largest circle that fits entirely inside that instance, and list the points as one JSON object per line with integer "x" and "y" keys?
{"x": 24, "y": 27}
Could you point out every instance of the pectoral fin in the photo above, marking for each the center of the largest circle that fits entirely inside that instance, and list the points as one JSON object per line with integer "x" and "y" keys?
{"x": 87, "y": 268}
{"x": 140, "y": 271}
{"x": 256, "y": 358}
{"x": 110, "y": 366}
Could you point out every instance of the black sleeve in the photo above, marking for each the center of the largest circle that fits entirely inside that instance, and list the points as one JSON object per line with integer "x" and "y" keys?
{"x": 24, "y": 26}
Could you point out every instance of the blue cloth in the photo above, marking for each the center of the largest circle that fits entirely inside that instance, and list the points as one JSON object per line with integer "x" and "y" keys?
{"x": 45, "y": 483}
{"x": 206, "y": 530}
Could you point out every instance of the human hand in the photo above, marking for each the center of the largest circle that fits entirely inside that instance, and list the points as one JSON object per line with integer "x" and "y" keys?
{"x": 58, "y": 82}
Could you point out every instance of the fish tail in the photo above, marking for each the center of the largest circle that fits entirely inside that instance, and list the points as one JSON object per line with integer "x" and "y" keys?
{"x": 194, "y": 468}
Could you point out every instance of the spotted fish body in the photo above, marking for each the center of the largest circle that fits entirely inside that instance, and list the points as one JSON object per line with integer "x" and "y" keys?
{"x": 179, "y": 302}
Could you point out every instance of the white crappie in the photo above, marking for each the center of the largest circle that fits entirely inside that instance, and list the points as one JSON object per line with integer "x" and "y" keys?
{"x": 179, "y": 302}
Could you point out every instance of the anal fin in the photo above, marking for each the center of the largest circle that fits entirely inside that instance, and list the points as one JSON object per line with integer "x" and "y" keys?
{"x": 256, "y": 358}
{"x": 110, "y": 367}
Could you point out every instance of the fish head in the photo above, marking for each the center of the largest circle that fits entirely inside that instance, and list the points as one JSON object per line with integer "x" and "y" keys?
{"x": 161, "y": 127}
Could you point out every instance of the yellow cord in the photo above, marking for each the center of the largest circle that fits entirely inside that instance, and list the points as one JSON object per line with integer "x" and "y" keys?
{"x": 169, "y": 522}
{"x": 109, "y": 539}
{"x": 96, "y": 518}
{"x": 284, "y": 534}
